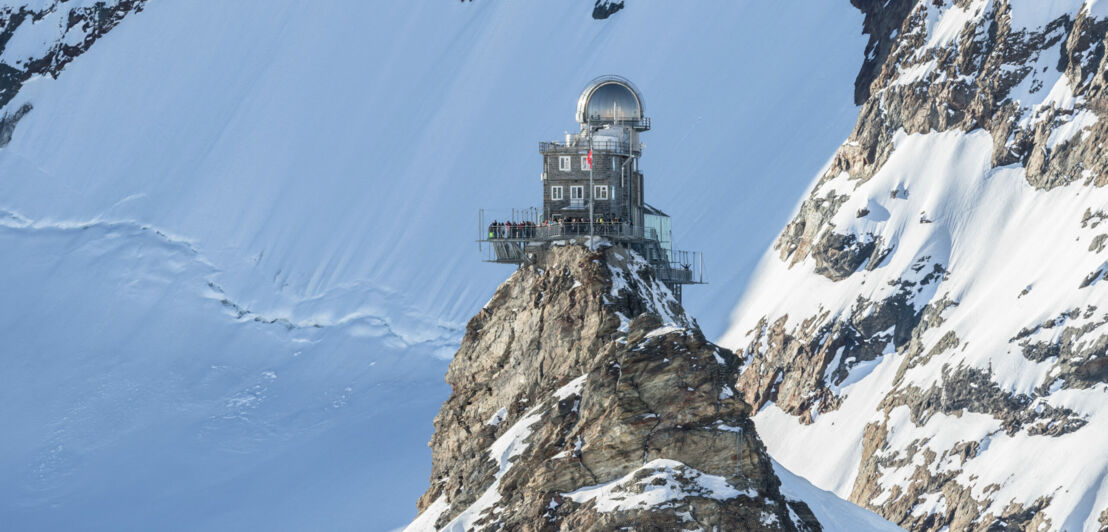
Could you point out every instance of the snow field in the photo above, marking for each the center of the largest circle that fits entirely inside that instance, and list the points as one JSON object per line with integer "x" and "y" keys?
{"x": 991, "y": 231}
{"x": 1015, "y": 259}
{"x": 833, "y": 514}
{"x": 141, "y": 399}
{"x": 314, "y": 172}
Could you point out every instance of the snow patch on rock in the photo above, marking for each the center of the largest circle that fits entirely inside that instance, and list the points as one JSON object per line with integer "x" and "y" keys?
{"x": 654, "y": 484}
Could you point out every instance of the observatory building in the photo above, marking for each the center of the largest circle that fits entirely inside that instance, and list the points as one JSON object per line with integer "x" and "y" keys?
{"x": 592, "y": 187}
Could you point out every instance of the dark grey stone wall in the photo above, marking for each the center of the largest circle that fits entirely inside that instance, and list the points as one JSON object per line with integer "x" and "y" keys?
{"x": 603, "y": 174}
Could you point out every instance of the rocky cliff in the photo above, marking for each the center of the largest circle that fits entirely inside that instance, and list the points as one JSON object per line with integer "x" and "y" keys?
{"x": 585, "y": 399}
{"x": 934, "y": 310}
{"x": 42, "y": 38}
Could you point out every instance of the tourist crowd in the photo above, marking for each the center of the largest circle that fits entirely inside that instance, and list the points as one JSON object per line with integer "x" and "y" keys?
{"x": 571, "y": 226}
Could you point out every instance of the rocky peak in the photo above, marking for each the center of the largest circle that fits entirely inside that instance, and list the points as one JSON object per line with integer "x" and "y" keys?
{"x": 975, "y": 64}
{"x": 584, "y": 398}
{"x": 935, "y": 300}
{"x": 934, "y": 66}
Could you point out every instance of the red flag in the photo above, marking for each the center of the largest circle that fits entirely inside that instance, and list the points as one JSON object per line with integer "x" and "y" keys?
{"x": 590, "y": 159}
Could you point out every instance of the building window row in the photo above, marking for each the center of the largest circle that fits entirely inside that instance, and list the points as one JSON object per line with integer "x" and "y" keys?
{"x": 565, "y": 163}
{"x": 576, "y": 192}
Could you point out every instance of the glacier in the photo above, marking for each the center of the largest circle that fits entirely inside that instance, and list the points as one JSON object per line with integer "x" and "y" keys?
{"x": 239, "y": 237}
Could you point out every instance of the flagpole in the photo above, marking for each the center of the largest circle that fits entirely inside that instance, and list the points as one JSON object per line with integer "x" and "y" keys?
{"x": 592, "y": 191}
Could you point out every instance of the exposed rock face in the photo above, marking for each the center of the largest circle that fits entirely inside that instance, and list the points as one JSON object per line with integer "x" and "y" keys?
{"x": 907, "y": 273}
{"x": 605, "y": 8}
{"x": 983, "y": 76}
{"x": 584, "y": 399}
{"x": 919, "y": 78}
{"x": 22, "y": 30}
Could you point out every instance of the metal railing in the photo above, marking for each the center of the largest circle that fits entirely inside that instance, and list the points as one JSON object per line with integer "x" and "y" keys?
{"x": 637, "y": 123}
{"x": 582, "y": 147}
{"x": 559, "y": 230}
{"x": 683, "y": 267}
{"x": 507, "y": 241}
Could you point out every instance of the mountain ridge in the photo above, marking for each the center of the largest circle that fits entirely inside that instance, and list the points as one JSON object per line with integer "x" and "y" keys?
{"x": 935, "y": 297}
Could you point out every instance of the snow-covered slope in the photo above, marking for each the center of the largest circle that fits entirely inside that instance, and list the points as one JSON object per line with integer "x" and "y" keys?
{"x": 136, "y": 395}
{"x": 834, "y": 514}
{"x": 933, "y": 317}
{"x": 238, "y": 235}
{"x": 304, "y": 152}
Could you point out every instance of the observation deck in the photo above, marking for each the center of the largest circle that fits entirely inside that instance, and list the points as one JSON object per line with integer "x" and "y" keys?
{"x": 592, "y": 188}
{"x": 521, "y": 238}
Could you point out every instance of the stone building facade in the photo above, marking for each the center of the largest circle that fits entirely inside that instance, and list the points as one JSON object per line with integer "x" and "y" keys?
{"x": 610, "y": 114}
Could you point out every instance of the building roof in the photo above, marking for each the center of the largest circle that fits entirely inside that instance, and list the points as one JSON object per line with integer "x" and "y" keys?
{"x": 650, "y": 209}
{"x": 611, "y": 99}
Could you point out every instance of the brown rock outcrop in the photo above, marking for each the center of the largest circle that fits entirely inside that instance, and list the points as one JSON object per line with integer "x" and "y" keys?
{"x": 585, "y": 399}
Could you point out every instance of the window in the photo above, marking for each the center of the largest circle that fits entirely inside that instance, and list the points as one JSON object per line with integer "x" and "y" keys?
{"x": 563, "y": 163}
{"x": 613, "y": 159}
{"x": 576, "y": 193}
{"x": 585, "y": 162}
{"x": 600, "y": 192}
{"x": 556, "y": 193}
